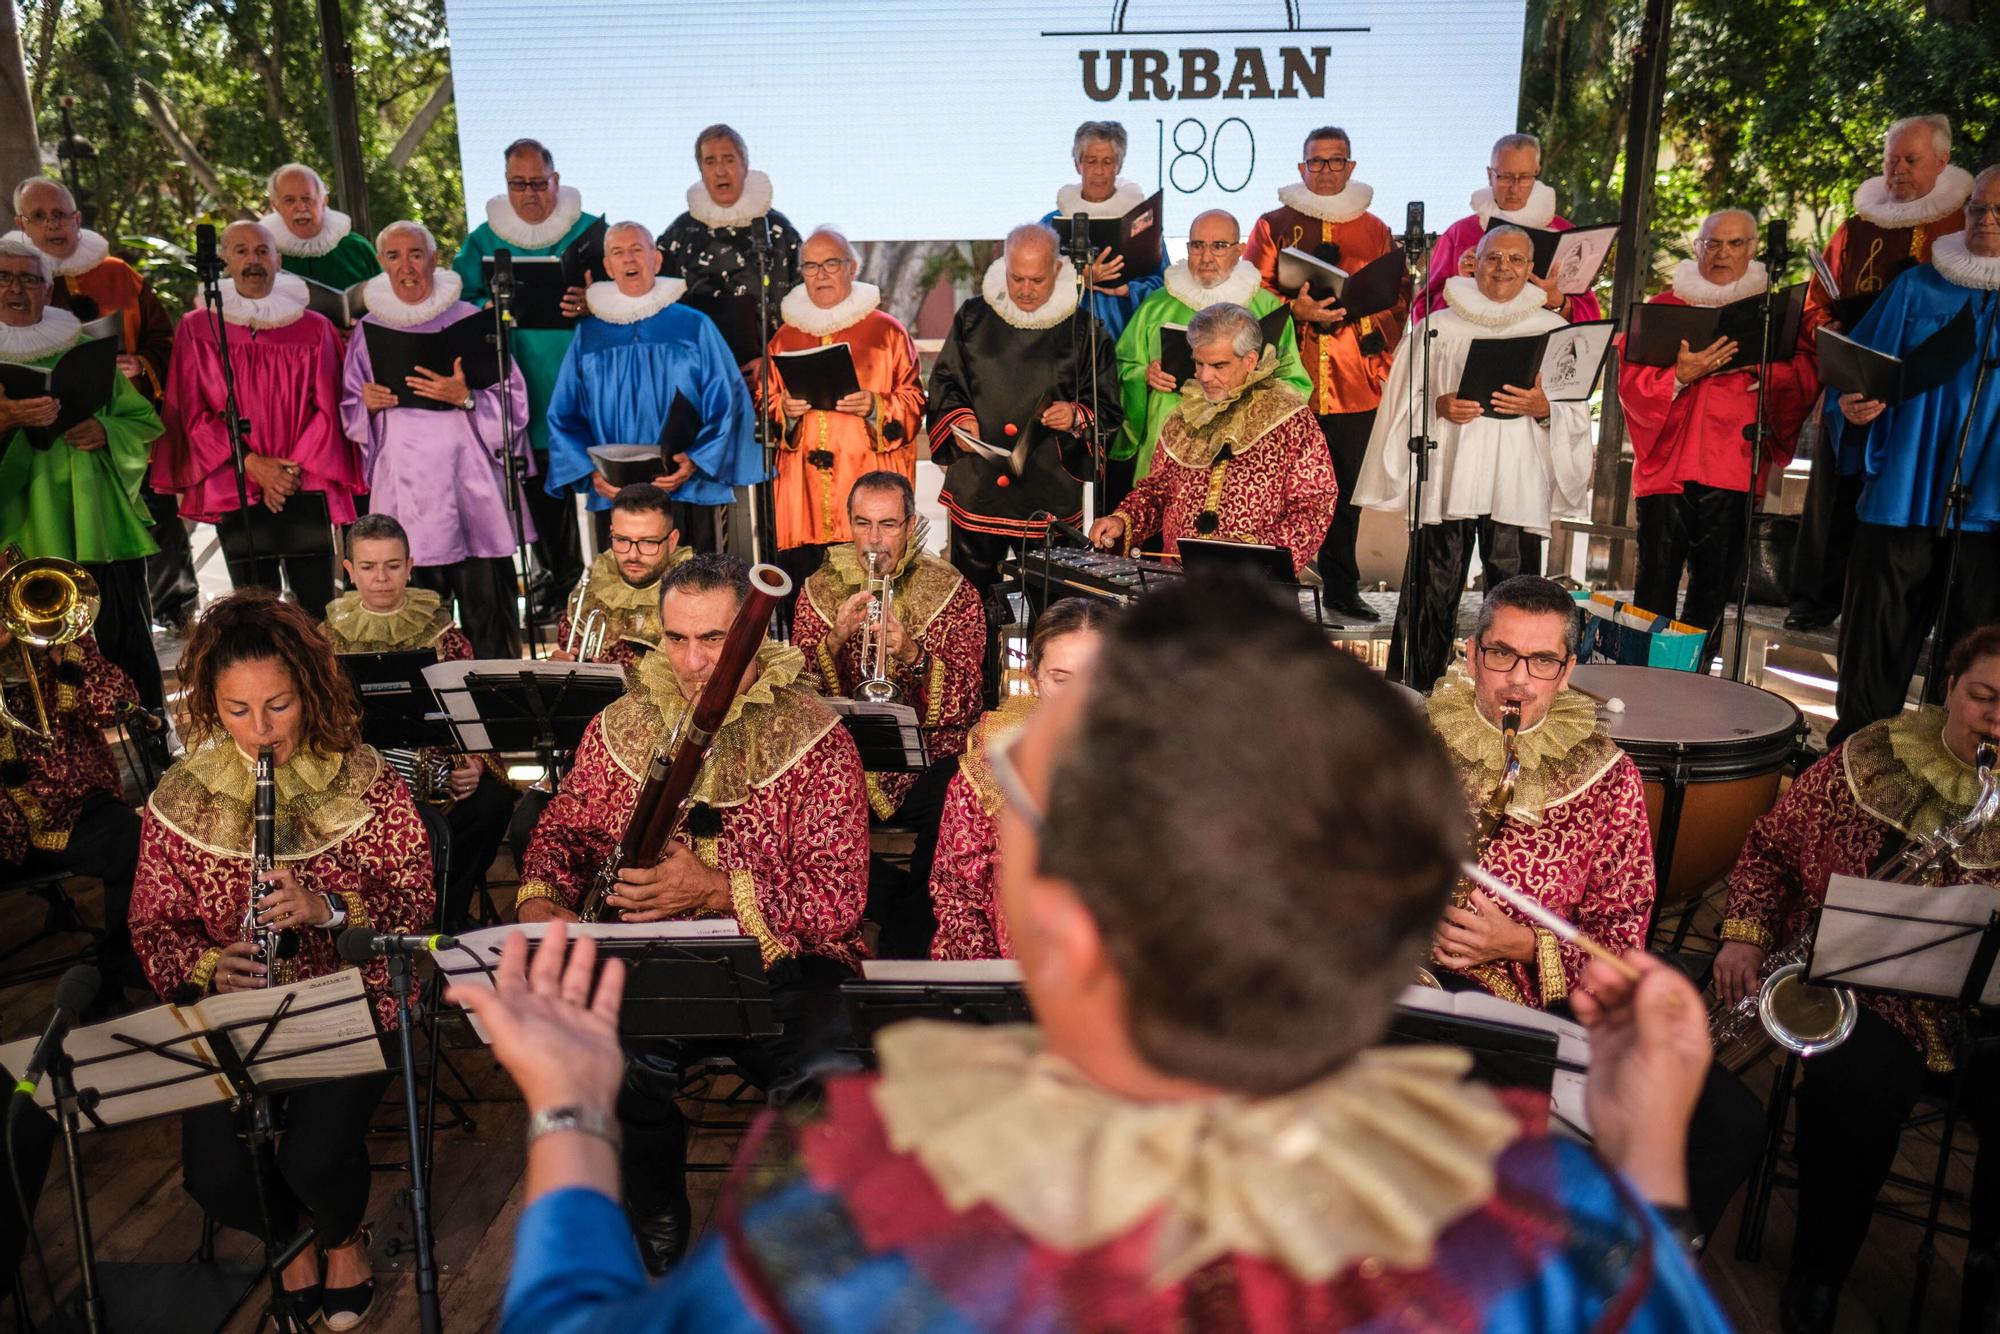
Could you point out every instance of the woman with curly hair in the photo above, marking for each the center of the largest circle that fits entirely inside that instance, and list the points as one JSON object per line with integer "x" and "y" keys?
{"x": 350, "y": 851}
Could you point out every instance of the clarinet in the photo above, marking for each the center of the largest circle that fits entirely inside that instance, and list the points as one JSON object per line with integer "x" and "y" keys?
{"x": 273, "y": 943}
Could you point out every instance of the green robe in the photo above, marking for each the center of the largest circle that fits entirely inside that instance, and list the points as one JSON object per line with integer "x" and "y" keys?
{"x": 61, "y": 501}
{"x": 1146, "y": 411}
{"x": 351, "y": 260}
{"x": 538, "y": 352}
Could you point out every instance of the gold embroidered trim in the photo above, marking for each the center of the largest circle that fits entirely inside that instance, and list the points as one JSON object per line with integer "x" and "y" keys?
{"x": 1549, "y": 967}
{"x": 1901, "y": 773}
{"x": 1495, "y": 978}
{"x": 1011, "y": 716}
{"x": 418, "y": 623}
{"x": 357, "y": 909}
{"x": 1748, "y": 932}
{"x": 1560, "y": 756}
{"x": 1198, "y": 430}
{"x": 538, "y": 889}
{"x": 829, "y": 670}
{"x": 1938, "y": 1056}
{"x": 923, "y": 584}
{"x": 743, "y": 898}
{"x": 206, "y": 798}
{"x": 879, "y": 801}
{"x": 934, "y": 691}
{"x": 203, "y": 974}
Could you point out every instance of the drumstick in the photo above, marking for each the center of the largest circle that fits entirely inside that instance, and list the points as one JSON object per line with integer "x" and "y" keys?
{"x": 1610, "y": 703}
{"x": 1542, "y": 917}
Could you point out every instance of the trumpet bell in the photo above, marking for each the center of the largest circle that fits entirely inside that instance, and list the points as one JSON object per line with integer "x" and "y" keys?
{"x": 1802, "y": 1017}
{"x": 47, "y": 601}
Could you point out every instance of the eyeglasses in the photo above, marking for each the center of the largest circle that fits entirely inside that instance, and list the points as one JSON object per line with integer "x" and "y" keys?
{"x": 1514, "y": 177}
{"x": 531, "y": 185}
{"x": 1322, "y": 165}
{"x": 1000, "y": 761}
{"x": 1980, "y": 212}
{"x": 1541, "y": 666}
{"x": 1212, "y": 247}
{"x": 41, "y": 217}
{"x": 815, "y": 268}
{"x": 645, "y": 546}
{"x": 25, "y": 281}
{"x": 1734, "y": 245}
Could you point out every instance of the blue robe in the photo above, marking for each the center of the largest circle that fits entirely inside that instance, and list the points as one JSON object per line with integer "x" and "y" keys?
{"x": 1113, "y": 311}
{"x": 1906, "y": 454}
{"x": 616, "y": 385}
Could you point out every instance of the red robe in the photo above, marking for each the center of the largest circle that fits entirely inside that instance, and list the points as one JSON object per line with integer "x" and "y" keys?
{"x": 43, "y": 784}
{"x": 1345, "y": 378}
{"x": 1864, "y": 256}
{"x": 1277, "y": 490}
{"x": 1696, "y": 435}
{"x": 822, "y": 454}
{"x": 942, "y": 611}
{"x": 287, "y": 385}
{"x": 188, "y": 896}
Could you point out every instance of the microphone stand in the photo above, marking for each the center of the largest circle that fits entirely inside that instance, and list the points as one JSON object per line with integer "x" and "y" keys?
{"x": 403, "y": 982}
{"x": 1758, "y": 434}
{"x": 1417, "y": 245}
{"x": 512, "y": 474}
{"x": 233, "y": 420}
{"x": 763, "y": 526}
{"x": 1079, "y": 244}
{"x": 62, "y": 1082}
{"x": 1951, "y": 523}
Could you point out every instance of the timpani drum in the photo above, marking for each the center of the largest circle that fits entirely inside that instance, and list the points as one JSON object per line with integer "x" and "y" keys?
{"x": 1712, "y": 753}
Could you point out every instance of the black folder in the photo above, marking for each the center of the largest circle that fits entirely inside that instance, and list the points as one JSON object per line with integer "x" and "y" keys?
{"x": 1139, "y": 237}
{"x": 1568, "y": 359}
{"x": 1177, "y": 358}
{"x": 395, "y": 354}
{"x": 343, "y": 305}
{"x": 1853, "y": 368}
{"x": 735, "y": 317}
{"x": 1657, "y": 329}
{"x": 540, "y": 281}
{"x": 1375, "y": 286}
{"x": 822, "y": 375}
{"x": 81, "y": 382}
{"x": 1589, "y": 243}
{"x": 626, "y": 465}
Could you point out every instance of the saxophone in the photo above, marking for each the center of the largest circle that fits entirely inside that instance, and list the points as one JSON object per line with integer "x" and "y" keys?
{"x": 1492, "y": 813}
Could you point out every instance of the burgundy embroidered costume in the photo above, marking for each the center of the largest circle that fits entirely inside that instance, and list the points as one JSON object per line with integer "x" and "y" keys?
{"x": 631, "y": 611}
{"x": 48, "y": 782}
{"x": 969, "y": 925}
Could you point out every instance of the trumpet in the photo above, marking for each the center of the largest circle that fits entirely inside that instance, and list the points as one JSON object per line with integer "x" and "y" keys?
{"x": 875, "y": 686}
{"x": 1803, "y": 1017}
{"x": 270, "y": 941}
{"x": 1492, "y": 814}
{"x": 586, "y": 633}
{"x": 43, "y": 603}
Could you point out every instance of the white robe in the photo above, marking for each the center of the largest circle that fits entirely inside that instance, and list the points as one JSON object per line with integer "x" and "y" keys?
{"x": 1512, "y": 469}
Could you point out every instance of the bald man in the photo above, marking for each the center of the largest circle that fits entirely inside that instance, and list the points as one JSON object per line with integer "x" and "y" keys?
{"x": 300, "y": 474}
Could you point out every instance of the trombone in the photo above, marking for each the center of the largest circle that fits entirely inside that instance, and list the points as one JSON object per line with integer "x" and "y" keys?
{"x": 44, "y": 602}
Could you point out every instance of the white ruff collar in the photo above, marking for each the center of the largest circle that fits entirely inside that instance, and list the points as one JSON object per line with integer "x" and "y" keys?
{"x": 1059, "y": 307}
{"x": 274, "y": 310}
{"x": 1346, "y": 206}
{"x": 91, "y": 248}
{"x": 512, "y": 228}
{"x": 612, "y": 306}
{"x": 1696, "y": 290}
{"x": 392, "y": 310}
{"x": 1125, "y": 196}
{"x": 753, "y": 203}
{"x": 1537, "y": 212}
{"x": 1241, "y": 284}
{"x": 292, "y": 287}
{"x": 1963, "y": 268}
{"x": 798, "y": 310}
{"x": 55, "y": 333}
{"x": 333, "y": 229}
{"x": 1462, "y": 294}
{"x": 1875, "y": 204}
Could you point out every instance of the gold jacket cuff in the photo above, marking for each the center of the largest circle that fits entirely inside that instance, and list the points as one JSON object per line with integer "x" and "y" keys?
{"x": 879, "y": 801}
{"x": 204, "y": 969}
{"x": 1748, "y": 932}
{"x": 743, "y": 898}
{"x": 1549, "y": 967}
{"x": 538, "y": 889}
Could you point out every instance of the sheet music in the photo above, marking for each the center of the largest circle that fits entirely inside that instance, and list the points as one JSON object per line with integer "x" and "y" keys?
{"x": 1014, "y": 460}
{"x": 326, "y": 1010}
{"x": 447, "y": 679}
{"x": 1567, "y": 1085}
{"x": 1933, "y": 931}
{"x": 132, "y": 1084}
{"x": 943, "y": 972}
{"x": 909, "y": 733}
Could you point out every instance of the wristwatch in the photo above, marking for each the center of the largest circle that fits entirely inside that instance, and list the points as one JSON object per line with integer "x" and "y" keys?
{"x": 468, "y": 404}
{"x": 338, "y": 907}
{"x": 584, "y": 1120}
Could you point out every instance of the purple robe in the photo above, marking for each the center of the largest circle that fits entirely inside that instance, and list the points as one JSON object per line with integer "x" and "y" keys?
{"x": 439, "y": 472}
{"x": 287, "y": 384}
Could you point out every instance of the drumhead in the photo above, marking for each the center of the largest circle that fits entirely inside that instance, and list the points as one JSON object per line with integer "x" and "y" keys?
{"x": 1699, "y": 727}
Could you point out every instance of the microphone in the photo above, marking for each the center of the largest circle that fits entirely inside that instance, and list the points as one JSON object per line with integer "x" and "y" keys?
{"x": 1069, "y": 530}
{"x": 503, "y": 275}
{"x": 1079, "y": 239}
{"x": 207, "y": 264}
{"x": 75, "y": 992}
{"x": 1775, "y": 249}
{"x": 1413, "y": 228}
{"x": 359, "y": 944}
{"x": 760, "y": 232}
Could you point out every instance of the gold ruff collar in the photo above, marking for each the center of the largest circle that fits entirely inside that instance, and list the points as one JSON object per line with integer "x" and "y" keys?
{"x": 1901, "y": 772}
{"x": 768, "y": 727}
{"x": 1371, "y": 1161}
{"x": 923, "y": 583}
{"x": 1010, "y": 717}
{"x": 206, "y": 798}
{"x": 415, "y": 624}
{"x": 1198, "y": 430}
{"x": 1560, "y": 756}
{"x": 634, "y": 612}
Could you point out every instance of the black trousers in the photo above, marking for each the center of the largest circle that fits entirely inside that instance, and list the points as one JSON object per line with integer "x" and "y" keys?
{"x": 558, "y": 544}
{"x": 322, "y": 1161}
{"x": 978, "y": 555}
{"x": 900, "y": 903}
{"x": 1699, "y": 532}
{"x": 1895, "y": 586}
{"x": 1852, "y": 1102}
{"x": 1826, "y": 531}
{"x": 307, "y": 566}
{"x": 1346, "y": 444}
{"x": 483, "y": 588}
{"x": 1443, "y": 560}
{"x": 124, "y": 627}
{"x": 104, "y": 843}
{"x": 478, "y": 825}
{"x": 170, "y": 580}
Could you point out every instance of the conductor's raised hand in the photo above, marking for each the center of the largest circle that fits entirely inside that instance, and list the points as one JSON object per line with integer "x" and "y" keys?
{"x": 427, "y": 383}
{"x": 550, "y": 1024}
{"x": 1859, "y": 410}
{"x": 1649, "y": 1055}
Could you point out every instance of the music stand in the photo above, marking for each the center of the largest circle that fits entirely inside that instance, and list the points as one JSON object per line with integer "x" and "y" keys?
{"x": 399, "y": 710}
{"x": 891, "y": 991}
{"x": 541, "y": 707}
{"x": 889, "y": 737}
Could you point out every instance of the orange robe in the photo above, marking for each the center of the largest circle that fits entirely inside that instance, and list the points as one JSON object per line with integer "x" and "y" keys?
{"x": 824, "y": 452}
{"x": 112, "y": 284}
{"x": 1348, "y": 362}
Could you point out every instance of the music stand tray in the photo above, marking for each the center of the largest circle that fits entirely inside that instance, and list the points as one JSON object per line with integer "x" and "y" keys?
{"x": 1202, "y": 555}
{"x": 889, "y": 737}
{"x": 542, "y": 708}
{"x": 399, "y": 710}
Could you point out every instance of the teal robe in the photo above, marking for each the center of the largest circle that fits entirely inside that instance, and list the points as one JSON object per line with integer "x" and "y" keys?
{"x": 62, "y": 501}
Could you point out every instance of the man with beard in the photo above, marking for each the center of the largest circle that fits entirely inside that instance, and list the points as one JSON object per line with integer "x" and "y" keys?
{"x": 623, "y": 583}
{"x": 1514, "y": 193}
{"x": 639, "y": 351}
{"x": 538, "y": 215}
{"x": 439, "y": 472}
{"x": 315, "y": 241}
{"x": 286, "y": 364}
{"x": 713, "y": 246}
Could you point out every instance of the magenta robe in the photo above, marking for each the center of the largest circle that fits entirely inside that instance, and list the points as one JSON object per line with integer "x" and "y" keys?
{"x": 439, "y": 472}
{"x": 287, "y": 384}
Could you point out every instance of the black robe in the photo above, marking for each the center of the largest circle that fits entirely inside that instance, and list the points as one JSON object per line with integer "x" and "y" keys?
{"x": 1002, "y": 375}
{"x": 720, "y": 262}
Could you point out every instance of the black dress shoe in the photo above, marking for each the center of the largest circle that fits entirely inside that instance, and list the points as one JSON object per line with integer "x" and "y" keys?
{"x": 663, "y": 1237}
{"x": 1812, "y": 618}
{"x": 1351, "y": 606}
{"x": 1808, "y": 1308}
